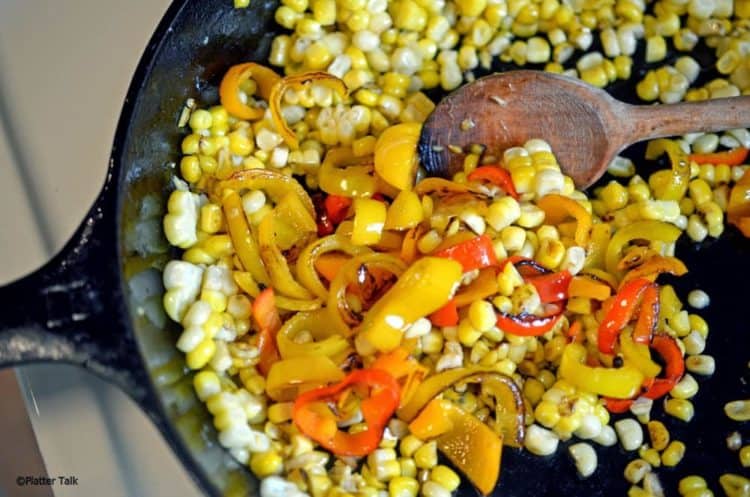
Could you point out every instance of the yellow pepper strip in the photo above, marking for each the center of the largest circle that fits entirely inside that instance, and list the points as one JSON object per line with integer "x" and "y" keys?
{"x": 242, "y": 238}
{"x": 298, "y": 82}
{"x": 558, "y": 207}
{"x": 229, "y": 90}
{"x": 600, "y": 275}
{"x": 275, "y": 184}
{"x": 654, "y": 266}
{"x": 669, "y": 184}
{"x": 406, "y": 369}
{"x": 669, "y": 304}
{"x": 426, "y": 286}
{"x": 288, "y": 304}
{"x": 581, "y": 286}
{"x": 739, "y": 200}
{"x": 306, "y": 272}
{"x": 292, "y": 211}
{"x": 369, "y": 219}
{"x": 281, "y": 277}
{"x": 482, "y": 287}
{"x": 409, "y": 244}
{"x": 316, "y": 323}
{"x": 618, "y": 383}
{"x": 433, "y": 385}
{"x": 405, "y": 212}
{"x": 337, "y": 305}
{"x": 246, "y": 283}
{"x": 466, "y": 441}
{"x": 396, "y": 158}
{"x": 343, "y": 173}
{"x": 638, "y": 355}
{"x": 290, "y": 377}
{"x": 643, "y": 230}
{"x": 597, "y": 248}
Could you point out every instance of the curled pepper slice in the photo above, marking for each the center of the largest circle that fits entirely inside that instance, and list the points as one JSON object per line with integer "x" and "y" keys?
{"x": 655, "y": 266}
{"x": 733, "y": 157}
{"x": 344, "y": 174}
{"x": 552, "y": 287}
{"x": 485, "y": 285}
{"x": 377, "y": 407}
{"x": 590, "y": 288}
{"x": 669, "y": 184}
{"x": 229, "y": 90}
{"x": 404, "y": 368}
{"x": 557, "y": 207}
{"x": 640, "y": 230}
{"x": 496, "y": 175}
{"x": 638, "y": 355}
{"x": 618, "y": 383}
{"x": 670, "y": 352}
{"x": 288, "y": 377}
{"x": 275, "y": 262}
{"x": 476, "y": 253}
{"x": 267, "y": 316}
{"x": 242, "y": 238}
{"x": 446, "y": 315}
{"x": 527, "y": 325}
{"x": 325, "y": 341}
{"x": 620, "y": 313}
{"x": 648, "y": 316}
{"x": 275, "y": 184}
{"x": 297, "y": 82}
{"x": 307, "y": 268}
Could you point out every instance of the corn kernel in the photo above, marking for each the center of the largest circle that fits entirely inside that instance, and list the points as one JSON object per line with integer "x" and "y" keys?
{"x": 673, "y": 454}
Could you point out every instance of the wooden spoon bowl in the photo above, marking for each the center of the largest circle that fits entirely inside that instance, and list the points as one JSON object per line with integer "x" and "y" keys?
{"x": 585, "y": 127}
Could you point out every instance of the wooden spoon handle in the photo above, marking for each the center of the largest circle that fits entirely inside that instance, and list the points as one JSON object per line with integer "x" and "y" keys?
{"x": 658, "y": 121}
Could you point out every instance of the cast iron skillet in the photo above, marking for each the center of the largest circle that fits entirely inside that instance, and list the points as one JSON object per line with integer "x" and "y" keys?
{"x": 82, "y": 307}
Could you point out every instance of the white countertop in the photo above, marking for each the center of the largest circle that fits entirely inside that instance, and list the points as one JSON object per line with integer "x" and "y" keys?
{"x": 64, "y": 69}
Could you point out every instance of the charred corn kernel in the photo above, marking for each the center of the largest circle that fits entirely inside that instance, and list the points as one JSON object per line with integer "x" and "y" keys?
{"x": 402, "y": 486}
{"x": 268, "y": 463}
{"x": 673, "y": 454}
{"x": 425, "y": 457}
{"x": 681, "y": 409}
{"x": 691, "y": 484}
{"x": 701, "y": 364}
{"x": 738, "y": 410}
{"x": 658, "y": 434}
{"x": 636, "y": 470}
{"x": 445, "y": 477}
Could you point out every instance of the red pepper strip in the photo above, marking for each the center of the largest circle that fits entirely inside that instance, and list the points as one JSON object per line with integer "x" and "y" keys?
{"x": 552, "y": 287}
{"x": 527, "y": 325}
{"x": 337, "y": 207}
{"x": 528, "y": 267}
{"x": 620, "y": 313}
{"x": 648, "y": 316}
{"x": 266, "y": 315}
{"x": 617, "y": 406}
{"x": 575, "y": 331}
{"x": 496, "y": 175}
{"x": 446, "y": 315}
{"x": 668, "y": 349}
{"x": 476, "y": 253}
{"x": 377, "y": 409}
{"x": 733, "y": 157}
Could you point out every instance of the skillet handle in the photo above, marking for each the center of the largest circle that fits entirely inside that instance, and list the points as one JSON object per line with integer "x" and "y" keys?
{"x": 71, "y": 309}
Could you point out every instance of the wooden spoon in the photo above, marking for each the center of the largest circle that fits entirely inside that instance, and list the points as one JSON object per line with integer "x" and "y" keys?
{"x": 584, "y": 125}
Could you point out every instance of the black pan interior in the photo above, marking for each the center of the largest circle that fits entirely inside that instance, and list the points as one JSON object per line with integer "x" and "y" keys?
{"x": 191, "y": 49}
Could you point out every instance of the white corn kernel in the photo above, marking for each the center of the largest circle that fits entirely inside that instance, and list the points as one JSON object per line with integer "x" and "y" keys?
{"x": 701, "y": 364}
{"x": 573, "y": 260}
{"x": 419, "y": 328}
{"x": 607, "y": 437}
{"x": 584, "y": 457}
{"x": 698, "y": 299}
{"x": 540, "y": 441}
{"x": 630, "y": 433}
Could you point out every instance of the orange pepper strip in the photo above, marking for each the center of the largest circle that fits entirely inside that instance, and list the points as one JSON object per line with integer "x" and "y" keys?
{"x": 407, "y": 371}
{"x": 229, "y": 90}
{"x": 377, "y": 409}
{"x": 581, "y": 286}
{"x": 496, "y": 175}
{"x": 648, "y": 316}
{"x": 733, "y": 157}
{"x": 267, "y": 316}
{"x": 557, "y": 207}
{"x": 297, "y": 82}
{"x": 654, "y": 266}
{"x": 476, "y": 253}
{"x": 738, "y": 208}
{"x": 482, "y": 287}
{"x": 620, "y": 313}
{"x": 446, "y": 315}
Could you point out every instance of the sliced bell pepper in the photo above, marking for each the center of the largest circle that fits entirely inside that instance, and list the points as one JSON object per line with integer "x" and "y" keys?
{"x": 409, "y": 244}
{"x": 396, "y": 157}
{"x": 527, "y": 325}
{"x": 617, "y": 406}
{"x": 369, "y": 220}
{"x": 229, "y": 89}
{"x": 377, "y": 407}
{"x": 671, "y": 354}
{"x": 446, "y": 315}
{"x": 337, "y": 207}
{"x": 654, "y": 266}
{"x": 648, "y": 316}
{"x": 405, "y": 212}
{"x": 267, "y": 317}
{"x": 287, "y": 378}
{"x": 620, "y": 312}
{"x": 597, "y": 247}
{"x": 618, "y": 383}
{"x": 583, "y": 286}
{"x": 325, "y": 341}
{"x": 738, "y": 208}
{"x": 406, "y": 369}
{"x": 638, "y": 355}
{"x": 467, "y": 442}
{"x": 279, "y": 272}
{"x": 496, "y": 175}
{"x": 298, "y": 82}
{"x": 434, "y": 280}
{"x": 275, "y": 184}
{"x": 733, "y": 157}
{"x": 344, "y": 174}
{"x": 526, "y": 267}
{"x": 310, "y": 263}
{"x": 645, "y": 230}
{"x": 670, "y": 184}
{"x": 242, "y": 238}
{"x": 552, "y": 287}
{"x": 476, "y": 253}
{"x": 485, "y": 285}
{"x": 557, "y": 207}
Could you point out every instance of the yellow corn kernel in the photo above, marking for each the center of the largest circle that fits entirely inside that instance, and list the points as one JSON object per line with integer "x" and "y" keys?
{"x": 595, "y": 76}
{"x": 266, "y": 463}
{"x": 482, "y": 315}
{"x": 467, "y": 334}
{"x": 403, "y": 486}
{"x": 280, "y": 413}
{"x": 200, "y": 355}
{"x": 614, "y": 195}
{"x": 445, "y": 477}
{"x": 551, "y": 253}
{"x": 211, "y": 218}
{"x": 673, "y": 454}
{"x": 690, "y": 484}
{"x": 658, "y": 434}
{"x": 190, "y": 168}
{"x": 425, "y": 457}
{"x": 679, "y": 408}
{"x": 409, "y": 445}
